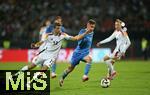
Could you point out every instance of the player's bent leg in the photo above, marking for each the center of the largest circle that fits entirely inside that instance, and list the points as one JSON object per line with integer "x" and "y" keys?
{"x": 112, "y": 76}
{"x": 25, "y": 68}
{"x": 65, "y": 73}
{"x": 74, "y": 61}
{"x": 111, "y": 72}
{"x": 88, "y": 61}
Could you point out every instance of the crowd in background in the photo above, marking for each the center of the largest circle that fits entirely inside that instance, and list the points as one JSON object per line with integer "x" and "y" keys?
{"x": 20, "y": 20}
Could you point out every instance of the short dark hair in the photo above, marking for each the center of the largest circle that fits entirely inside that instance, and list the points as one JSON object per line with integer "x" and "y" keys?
{"x": 56, "y": 24}
{"x": 58, "y": 17}
{"x": 91, "y": 21}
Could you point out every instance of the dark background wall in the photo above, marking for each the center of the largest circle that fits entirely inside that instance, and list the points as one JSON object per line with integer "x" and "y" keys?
{"x": 20, "y": 20}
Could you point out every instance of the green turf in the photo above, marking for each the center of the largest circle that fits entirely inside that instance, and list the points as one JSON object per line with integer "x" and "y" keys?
{"x": 133, "y": 79}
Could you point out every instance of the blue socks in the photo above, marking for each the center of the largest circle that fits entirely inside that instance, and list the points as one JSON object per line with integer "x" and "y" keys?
{"x": 53, "y": 68}
{"x": 87, "y": 68}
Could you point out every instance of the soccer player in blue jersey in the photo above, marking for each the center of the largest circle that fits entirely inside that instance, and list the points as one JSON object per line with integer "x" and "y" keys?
{"x": 81, "y": 53}
{"x": 49, "y": 29}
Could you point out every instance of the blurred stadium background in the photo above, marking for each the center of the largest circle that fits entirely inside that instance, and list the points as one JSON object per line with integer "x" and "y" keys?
{"x": 20, "y": 22}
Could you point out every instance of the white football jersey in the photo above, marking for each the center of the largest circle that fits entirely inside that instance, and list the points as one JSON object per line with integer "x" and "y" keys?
{"x": 50, "y": 52}
{"x": 53, "y": 43}
{"x": 122, "y": 42}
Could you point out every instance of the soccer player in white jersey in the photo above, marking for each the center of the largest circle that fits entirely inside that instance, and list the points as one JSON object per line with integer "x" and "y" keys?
{"x": 49, "y": 54}
{"x": 122, "y": 44}
{"x": 49, "y": 29}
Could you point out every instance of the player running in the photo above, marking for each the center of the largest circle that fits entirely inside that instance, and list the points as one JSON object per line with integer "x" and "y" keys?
{"x": 81, "y": 53}
{"x": 49, "y": 29}
{"x": 49, "y": 54}
{"x": 122, "y": 44}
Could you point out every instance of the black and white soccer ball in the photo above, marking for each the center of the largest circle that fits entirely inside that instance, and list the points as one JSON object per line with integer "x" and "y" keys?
{"x": 105, "y": 82}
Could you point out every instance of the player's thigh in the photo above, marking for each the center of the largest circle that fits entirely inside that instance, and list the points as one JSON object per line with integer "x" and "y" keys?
{"x": 87, "y": 58}
{"x": 75, "y": 59}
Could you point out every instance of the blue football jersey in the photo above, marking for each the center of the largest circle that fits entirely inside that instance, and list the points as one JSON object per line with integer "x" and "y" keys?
{"x": 51, "y": 27}
{"x": 85, "y": 43}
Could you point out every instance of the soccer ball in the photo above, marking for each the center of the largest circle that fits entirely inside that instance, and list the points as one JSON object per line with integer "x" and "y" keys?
{"x": 105, "y": 83}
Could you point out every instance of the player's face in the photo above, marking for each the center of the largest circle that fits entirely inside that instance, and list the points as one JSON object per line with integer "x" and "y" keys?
{"x": 117, "y": 26}
{"x": 58, "y": 21}
{"x": 57, "y": 29}
{"x": 90, "y": 26}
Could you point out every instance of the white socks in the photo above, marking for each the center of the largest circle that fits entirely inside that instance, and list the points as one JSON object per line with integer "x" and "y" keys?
{"x": 110, "y": 65}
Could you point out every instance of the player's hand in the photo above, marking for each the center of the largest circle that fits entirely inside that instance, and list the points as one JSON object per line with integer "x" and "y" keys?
{"x": 98, "y": 44}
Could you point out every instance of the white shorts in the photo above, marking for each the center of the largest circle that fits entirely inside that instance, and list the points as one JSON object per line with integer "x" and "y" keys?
{"x": 116, "y": 54}
{"x": 45, "y": 58}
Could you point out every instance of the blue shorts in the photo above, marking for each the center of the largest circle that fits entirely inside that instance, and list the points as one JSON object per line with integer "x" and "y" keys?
{"x": 77, "y": 57}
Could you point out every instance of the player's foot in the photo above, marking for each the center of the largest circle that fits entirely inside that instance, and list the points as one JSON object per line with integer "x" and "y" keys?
{"x": 53, "y": 75}
{"x": 61, "y": 81}
{"x": 112, "y": 75}
{"x": 85, "y": 78}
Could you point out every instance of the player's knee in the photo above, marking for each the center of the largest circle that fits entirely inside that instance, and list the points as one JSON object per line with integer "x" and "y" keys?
{"x": 89, "y": 60}
{"x": 106, "y": 58}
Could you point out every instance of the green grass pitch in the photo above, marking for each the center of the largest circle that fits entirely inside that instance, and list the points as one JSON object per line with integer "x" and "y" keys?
{"x": 133, "y": 78}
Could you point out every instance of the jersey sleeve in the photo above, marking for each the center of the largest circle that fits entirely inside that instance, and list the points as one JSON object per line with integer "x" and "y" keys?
{"x": 110, "y": 38}
{"x": 66, "y": 36}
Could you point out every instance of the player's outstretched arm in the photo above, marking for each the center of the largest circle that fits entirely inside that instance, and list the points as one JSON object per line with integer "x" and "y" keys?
{"x": 110, "y": 38}
{"x": 37, "y": 44}
{"x": 77, "y": 37}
